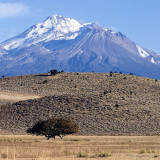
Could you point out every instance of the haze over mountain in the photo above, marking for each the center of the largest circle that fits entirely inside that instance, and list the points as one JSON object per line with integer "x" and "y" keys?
{"x": 66, "y": 44}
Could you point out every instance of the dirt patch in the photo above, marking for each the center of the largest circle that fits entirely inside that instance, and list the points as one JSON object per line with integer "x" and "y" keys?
{"x": 13, "y": 96}
{"x": 55, "y": 76}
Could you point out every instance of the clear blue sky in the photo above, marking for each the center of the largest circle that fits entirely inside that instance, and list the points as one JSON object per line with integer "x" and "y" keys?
{"x": 139, "y": 20}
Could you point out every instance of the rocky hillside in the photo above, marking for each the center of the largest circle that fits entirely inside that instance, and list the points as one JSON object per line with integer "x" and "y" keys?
{"x": 101, "y": 104}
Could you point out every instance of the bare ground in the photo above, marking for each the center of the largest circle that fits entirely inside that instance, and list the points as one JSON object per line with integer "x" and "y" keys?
{"x": 15, "y": 97}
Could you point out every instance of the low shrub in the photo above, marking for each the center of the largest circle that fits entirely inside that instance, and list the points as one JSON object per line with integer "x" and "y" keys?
{"x": 104, "y": 154}
{"x": 101, "y": 155}
{"x": 146, "y": 151}
{"x": 74, "y": 140}
{"x": 82, "y": 155}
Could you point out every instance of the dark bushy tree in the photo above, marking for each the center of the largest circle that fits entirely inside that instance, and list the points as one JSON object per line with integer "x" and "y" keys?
{"x": 54, "y": 72}
{"x": 62, "y": 71}
{"x": 111, "y": 73}
{"x": 156, "y": 80}
{"x": 54, "y": 127}
{"x": 117, "y": 105}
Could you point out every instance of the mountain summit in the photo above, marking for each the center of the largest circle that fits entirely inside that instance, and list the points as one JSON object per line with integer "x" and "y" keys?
{"x": 53, "y": 28}
{"x": 65, "y": 43}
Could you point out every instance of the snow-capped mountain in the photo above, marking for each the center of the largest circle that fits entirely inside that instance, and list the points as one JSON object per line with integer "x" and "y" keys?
{"x": 53, "y": 28}
{"x": 64, "y": 43}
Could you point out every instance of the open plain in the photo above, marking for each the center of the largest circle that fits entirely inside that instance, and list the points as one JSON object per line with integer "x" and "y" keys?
{"x": 25, "y": 147}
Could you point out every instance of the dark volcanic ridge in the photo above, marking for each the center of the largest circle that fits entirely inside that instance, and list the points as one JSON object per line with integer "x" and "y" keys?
{"x": 101, "y": 104}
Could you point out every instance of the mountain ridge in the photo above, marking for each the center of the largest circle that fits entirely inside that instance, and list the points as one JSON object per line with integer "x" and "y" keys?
{"x": 66, "y": 44}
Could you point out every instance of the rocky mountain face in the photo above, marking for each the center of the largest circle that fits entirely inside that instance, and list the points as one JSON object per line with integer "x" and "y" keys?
{"x": 66, "y": 44}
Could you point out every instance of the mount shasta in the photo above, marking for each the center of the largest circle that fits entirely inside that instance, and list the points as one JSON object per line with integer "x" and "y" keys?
{"x": 66, "y": 44}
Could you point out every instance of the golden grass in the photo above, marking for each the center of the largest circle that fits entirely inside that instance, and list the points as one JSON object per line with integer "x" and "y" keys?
{"x": 22, "y": 147}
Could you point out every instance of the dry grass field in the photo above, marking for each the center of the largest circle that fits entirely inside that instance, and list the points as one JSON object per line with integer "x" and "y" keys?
{"x": 25, "y": 147}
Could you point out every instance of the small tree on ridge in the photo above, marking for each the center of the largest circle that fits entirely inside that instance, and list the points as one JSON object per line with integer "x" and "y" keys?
{"x": 54, "y": 72}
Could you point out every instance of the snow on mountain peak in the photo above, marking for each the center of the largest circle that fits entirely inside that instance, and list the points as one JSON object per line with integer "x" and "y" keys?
{"x": 60, "y": 23}
{"x": 54, "y": 27}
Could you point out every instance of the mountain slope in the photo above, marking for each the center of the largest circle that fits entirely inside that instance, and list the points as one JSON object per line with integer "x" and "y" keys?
{"x": 64, "y": 43}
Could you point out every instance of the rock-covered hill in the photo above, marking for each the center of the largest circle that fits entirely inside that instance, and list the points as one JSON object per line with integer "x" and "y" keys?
{"x": 96, "y": 117}
{"x": 104, "y": 104}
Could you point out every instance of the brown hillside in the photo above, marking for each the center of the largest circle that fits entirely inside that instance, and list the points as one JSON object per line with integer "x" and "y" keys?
{"x": 101, "y": 104}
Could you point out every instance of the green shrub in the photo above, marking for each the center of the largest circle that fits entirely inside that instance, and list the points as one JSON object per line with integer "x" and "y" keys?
{"x": 62, "y": 71}
{"x": 116, "y": 105}
{"x": 82, "y": 155}
{"x": 146, "y": 151}
{"x": 156, "y": 80}
{"x": 143, "y": 151}
{"x": 101, "y": 155}
{"x": 45, "y": 81}
{"x": 104, "y": 154}
{"x": 111, "y": 73}
{"x": 105, "y": 92}
{"x": 4, "y": 156}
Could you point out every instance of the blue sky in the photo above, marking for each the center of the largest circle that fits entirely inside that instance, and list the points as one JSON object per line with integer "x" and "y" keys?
{"x": 139, "y": 20}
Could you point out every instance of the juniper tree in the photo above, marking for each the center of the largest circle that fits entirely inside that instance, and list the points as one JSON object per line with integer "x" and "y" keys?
{"x": 54, "y": 127}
